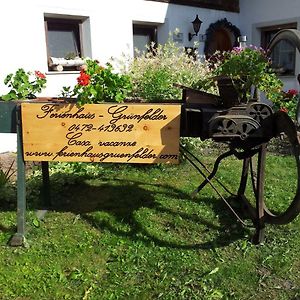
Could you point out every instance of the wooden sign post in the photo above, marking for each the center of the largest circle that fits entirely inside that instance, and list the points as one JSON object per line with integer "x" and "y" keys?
{"x": 122, "y": 133}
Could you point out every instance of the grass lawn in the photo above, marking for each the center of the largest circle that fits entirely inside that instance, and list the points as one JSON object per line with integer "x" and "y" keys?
{"x": 134, "y": 232}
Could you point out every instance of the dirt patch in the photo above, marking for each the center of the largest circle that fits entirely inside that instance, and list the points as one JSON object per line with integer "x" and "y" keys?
{"x": 8, "y": 163}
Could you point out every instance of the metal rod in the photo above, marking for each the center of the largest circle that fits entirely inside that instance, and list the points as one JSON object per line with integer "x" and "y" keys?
{"x": 218, "y": 193}
{"x": 244, "y": 177}
{"x": 242, "y": 188}
{"x": 253, "y": 179}
{"x": 46, "y": 184}
{"x": 215, "y": 169}
{"x": 206, "y": 169}
{"x": 19, "y": 238}
{"x": 260, "y": 222}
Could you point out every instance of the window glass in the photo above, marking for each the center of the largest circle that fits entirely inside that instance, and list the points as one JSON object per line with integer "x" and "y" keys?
{"x": 61, "y": 43}
{"x": 140, "y": 42}
{"x": 143, "y": 35}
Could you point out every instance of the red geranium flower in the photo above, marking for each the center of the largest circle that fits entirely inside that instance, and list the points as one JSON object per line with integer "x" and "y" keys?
{"x": 83, "y": 79}
{"x": 283, "y": 109}
{"x": 39, "y": 74}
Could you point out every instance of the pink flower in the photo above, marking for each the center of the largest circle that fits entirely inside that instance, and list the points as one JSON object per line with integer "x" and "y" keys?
{"x": 237, "y": 50}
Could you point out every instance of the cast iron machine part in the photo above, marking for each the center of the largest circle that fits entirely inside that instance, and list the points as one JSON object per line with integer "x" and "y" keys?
{"x": 246, "y": 129}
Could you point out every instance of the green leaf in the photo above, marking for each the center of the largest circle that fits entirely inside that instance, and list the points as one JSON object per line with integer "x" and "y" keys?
{"x": 10, "y": 96}
{"x": 215, "y": 270}
{"x": 36, "y": 222}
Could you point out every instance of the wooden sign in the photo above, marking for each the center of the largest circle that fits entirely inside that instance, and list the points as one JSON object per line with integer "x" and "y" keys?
{"x": 123, "y": 133}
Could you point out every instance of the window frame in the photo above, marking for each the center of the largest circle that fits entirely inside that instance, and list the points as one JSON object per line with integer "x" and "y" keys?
{"x": 59, "y": 22}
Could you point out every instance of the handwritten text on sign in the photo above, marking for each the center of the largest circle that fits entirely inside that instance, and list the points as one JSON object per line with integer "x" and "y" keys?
{"x": 127, "y": 133}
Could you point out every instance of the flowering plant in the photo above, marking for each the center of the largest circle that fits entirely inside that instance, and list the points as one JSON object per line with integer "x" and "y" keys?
{"x": 249, "y": 67}
{"x": 288, "y": 103}
{"x": 97, "y": 84}
{"x": 24, "y": 85}
{"x": 154, "y": 73}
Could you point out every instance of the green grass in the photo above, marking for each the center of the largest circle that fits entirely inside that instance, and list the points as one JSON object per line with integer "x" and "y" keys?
{"x": 134, "y": 232}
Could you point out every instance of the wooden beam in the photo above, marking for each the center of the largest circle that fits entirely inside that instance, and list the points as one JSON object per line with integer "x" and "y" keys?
{"x": 227, "y": 5}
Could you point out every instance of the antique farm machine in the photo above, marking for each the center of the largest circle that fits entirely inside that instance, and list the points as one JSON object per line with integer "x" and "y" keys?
{"x": 246, "y": 129}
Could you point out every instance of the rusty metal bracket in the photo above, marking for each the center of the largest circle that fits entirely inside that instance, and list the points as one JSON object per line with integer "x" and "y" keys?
{"x": 208, "y": 178}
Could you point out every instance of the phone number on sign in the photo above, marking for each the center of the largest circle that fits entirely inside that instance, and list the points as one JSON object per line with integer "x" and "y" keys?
{"x": 102, "y": 128}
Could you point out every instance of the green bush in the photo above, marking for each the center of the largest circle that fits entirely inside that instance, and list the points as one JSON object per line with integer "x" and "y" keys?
{"x": 288, "y": 103}
{"x": 154, "y": 73}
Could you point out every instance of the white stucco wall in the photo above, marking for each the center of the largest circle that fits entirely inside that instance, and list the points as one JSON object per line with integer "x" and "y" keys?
{"x": 256, "y": 13}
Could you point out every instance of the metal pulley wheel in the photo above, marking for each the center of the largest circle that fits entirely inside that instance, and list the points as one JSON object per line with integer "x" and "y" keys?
{"x": 286, "y": 133}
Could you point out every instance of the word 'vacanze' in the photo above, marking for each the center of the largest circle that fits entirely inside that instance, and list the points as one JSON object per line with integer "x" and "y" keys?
{"x": 116, "y": 113}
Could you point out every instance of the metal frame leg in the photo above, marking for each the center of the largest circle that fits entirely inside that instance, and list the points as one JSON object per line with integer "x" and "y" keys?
{"x": 246, "y": 205}
{"x": 257, "y": 213}
{"x": 46, "y": 197}
{"x": 259, "y": 195}
{"x": 19, "y": 237}
{"x": 46, "y": 184}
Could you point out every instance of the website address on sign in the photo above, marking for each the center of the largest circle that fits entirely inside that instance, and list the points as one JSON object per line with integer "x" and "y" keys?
{"x": 141, "y": 154}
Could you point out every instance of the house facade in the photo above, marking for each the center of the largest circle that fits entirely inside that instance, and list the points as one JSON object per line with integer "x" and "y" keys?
{"x": 51, "y": 36}
{"x": 260, "y": 19}
{"x": 94, "y": 29}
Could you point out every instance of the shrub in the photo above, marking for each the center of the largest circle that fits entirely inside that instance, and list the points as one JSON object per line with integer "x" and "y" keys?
{"x": 288, "y": 103}
{"x": 154, "y": 73}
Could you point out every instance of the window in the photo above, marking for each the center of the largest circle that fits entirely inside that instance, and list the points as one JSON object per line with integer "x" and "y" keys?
{"x": 284, "y": 53}
{"x": 64, "y": 43}
{"x": 143, "y": 35}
